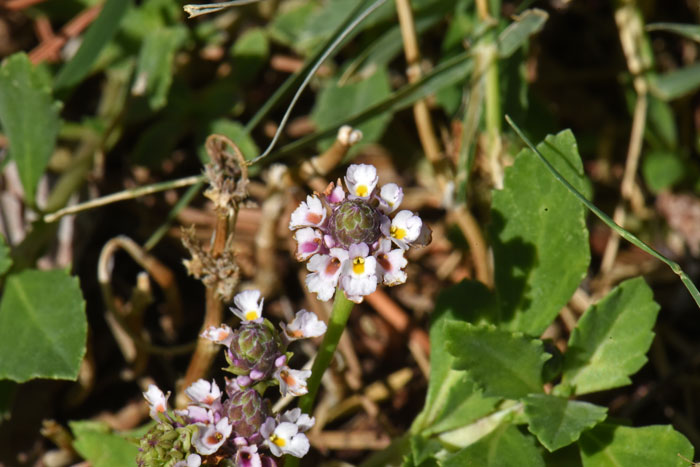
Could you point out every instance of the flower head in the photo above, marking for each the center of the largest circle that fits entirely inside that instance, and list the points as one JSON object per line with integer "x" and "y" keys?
{"x": 284, "y": 438}
{"x": 209, "y": 438}
{"x": 347, "y": 238}
{"x": 157, "y": 401}
{"x": 204, "y": 393}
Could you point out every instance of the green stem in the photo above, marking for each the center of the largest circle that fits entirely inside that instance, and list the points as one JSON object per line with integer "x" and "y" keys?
{"x": 675, "y": 267}
{"x": 336, "y": 325}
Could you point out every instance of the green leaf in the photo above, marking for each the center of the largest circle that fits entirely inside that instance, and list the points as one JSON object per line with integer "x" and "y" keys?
{"x": 505, "y": 447}
{"x": 611, "y": 339}
{"x": 97, "y": 36}
{"x": 453, "y": 399}
{"x": 336, "y": 102}
{"x": 43, "y": 329}
{"x": 250, "y": 51}
{"x": 235, "y": 132}
{"x": 610, "y": 445}
{"x": 662, "y": 170}
{"x": 29, "y": 117}
{"x": 508, "y": 365}
{"x": 517, "y": 33}
{"x": 691, "y": 31}
{"x": 677, "y": 83}
{"x": 102, "y": 447}
{"x": 661, "y": 129}
{"x": 539, "y": 236}
{"x": 5, "y": 258}
{"x": 154, "y": 71}
{"x": 558, "y": 422}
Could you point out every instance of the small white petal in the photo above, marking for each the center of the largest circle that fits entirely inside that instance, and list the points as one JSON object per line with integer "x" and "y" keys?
{"x": 310, "y": 213}
{"x": 390, "y": 196}
{"x": 405, "y": 228}
{"x": 304, "y": 325}
{"x": 292, "y": 381}
{"x": 203, "y": 392}
{"x": 361, "y": 179}
{"x": 249, "y": 305}
{"x": 157, "y": 401}
{"x": 221, "y": 335}
{"x": 309, "y": 242}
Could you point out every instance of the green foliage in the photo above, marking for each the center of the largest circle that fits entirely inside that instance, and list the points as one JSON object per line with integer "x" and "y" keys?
{"x": 662, "y": 170}
{"x": 539, "y": 236}
{"x": 611, "y": 339}
{"x": 96, "y": 38}
{"x": 235, "y": 132}
{"x": 102, "y": 447}
{"x": 677, "y": 83}
{"x": 249, "y": 54}
{"x": 29, "y": 118}
{"x": 691, "y": 31}
{"x": 43, "y": 329}
{"x": 610, "y": 445}
{"x": 517, "y": 33}
{"x": 5, "y": 258}
{"x": 506, "y": 364}
{"x": 558, "y": 422}
{"x": 504, "y": 447}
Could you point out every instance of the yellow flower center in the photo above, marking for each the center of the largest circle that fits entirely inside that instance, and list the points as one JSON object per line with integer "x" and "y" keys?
{"x": 397, "y": 232}
{"x": 361, "y": 190}
{"x": 251, "y": 315}
{"x": 278, "y": 441}
{"x": 358, "y": 265}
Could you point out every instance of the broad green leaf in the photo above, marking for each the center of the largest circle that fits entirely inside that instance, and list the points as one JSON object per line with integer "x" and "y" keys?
{"x": 249, "y": 52}
{"x": 97, "y": 36}
{"x": 336, "y": 102}
{"x": 289, "y": 26}
{"x": 539, "y": 236}
{"x": 453, "y": 400}
{"x": 423, "y": 452}
{"x": 661, "y": 130}
{"x": 5, "y": 258}
{"x": 43, "y": 329}
{"x": 662, "y": 170}
{"x": 506, "y": 364}
{"x": 505, "y": 447}
{"x": 154, "y": 71}
{"x": 558, "y": 422}
{"x": 102, "y": 447}
{"x": 610, "y": 445}
{"x": 677, "y": 83}
{"x": 611, "y": 339}
{"x": 691, "y": 31}
{"x": 517, "y": 33}
{"x": 29, "y": 118}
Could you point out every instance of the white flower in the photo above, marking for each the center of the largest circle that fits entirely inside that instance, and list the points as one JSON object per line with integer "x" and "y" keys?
{"x": 359, "y": 278}
{"x": 310, "y": 213}
{"x": 248, "y": 305}
{"x": 157, "y": 401}
{"x": 390, "y": 263}
{"x": 209, "y": 438}
{"x": 304, "y": 325}
{"x": 325, "y": 270}
{"x": 361, "y": 179}
{"x": 221, "y": 335}
{"x": 284, "y": 438}
{"x": 292, "y": 381}
{"x": 309, "y": 242}
{"x": 336, "y": 195}
{"x": 404, "y": 228}
{"x": 196, "y": 414}
{"x": 390, "y": 197}
{"x": 247, "y": 456}
{"x": 193, "y": 460}
{"x": 203, "y": 392}
{"x": 301, "y": 420}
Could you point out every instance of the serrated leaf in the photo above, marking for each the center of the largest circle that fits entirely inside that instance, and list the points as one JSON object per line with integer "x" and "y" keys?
{"x": 43, "y": 329}
{"x": 102, "y": 447}
{"x": 539, "y": 236}
{"x": 517, "y": 33}
{"x": 335, "y": 102}
{"x": 5, "y": 258}
{"x": 610, "y": 445}
{"x": 29, "y": 118}
{"x": 558, "y": 422}
{"x": 504, "y": 447}
{"x": 506, "y": 364}
{"x": 95, "y": 39}
{"x": 154, "y": 73}
{"x": 453, "y": 399}
{"x": 611, "y": 339}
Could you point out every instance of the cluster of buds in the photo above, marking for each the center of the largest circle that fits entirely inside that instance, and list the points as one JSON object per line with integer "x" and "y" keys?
{"x": 348, "y": 238}
{"x": 236, "y": 425}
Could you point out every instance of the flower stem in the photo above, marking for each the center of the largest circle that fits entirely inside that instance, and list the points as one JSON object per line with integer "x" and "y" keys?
{"x": 336, "y": 325}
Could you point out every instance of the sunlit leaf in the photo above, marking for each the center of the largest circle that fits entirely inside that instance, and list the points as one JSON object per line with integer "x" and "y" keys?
{"x": 504, "y": 447}
{"x": 101, "y": 446}
{"x": 518, "y": 32}
{"x": 43, "y": 329}
{"x": 5, "y": 259}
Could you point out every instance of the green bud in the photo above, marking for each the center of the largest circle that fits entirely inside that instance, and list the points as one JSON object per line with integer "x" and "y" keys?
{"x": 255, "y": 347}
{"x": 247, "y": 410}
{"x": 164, "y": 445}
{"x": 355, "y": 221}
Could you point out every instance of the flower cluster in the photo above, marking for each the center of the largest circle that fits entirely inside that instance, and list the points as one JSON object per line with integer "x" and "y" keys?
{"x": 236, "y": 424}
{"x": 348, "y": 238}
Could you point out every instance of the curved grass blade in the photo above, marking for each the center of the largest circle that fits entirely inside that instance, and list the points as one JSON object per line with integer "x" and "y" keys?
{"x": 675, "y": 267}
